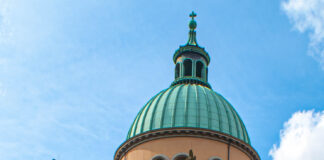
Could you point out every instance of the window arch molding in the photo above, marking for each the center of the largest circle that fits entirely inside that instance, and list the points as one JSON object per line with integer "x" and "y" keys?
{"x": 203, "y": 62}
{"x": 201, "y": 73}
{"x": 214, "y": 158}
{"x": 160, "y": 156}
{"x": 178, "y": 155}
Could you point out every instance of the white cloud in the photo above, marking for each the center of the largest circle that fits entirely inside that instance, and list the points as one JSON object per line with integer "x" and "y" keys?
{"x": 308, "y": 15}
{"x": 302, "y": 137}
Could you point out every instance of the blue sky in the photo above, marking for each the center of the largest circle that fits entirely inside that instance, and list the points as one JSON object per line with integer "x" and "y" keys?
{"x": 74, "y": 74}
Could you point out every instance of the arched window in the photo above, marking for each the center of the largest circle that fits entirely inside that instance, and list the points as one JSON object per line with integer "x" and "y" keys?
{"x": 180, "y": 156}
{"x": 177, "y": 70}
{"x": 199, "y": 69}
{"x": 187, "y": 67}
{"x": 160, "y": 157}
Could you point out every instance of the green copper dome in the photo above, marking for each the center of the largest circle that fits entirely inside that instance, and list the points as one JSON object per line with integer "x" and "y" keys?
{"x": 189, "y": 105}
{"x": 190, "y": 102}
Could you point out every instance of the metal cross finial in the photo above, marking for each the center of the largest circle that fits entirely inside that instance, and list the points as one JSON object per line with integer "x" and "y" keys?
{"x": 192, "y": 15}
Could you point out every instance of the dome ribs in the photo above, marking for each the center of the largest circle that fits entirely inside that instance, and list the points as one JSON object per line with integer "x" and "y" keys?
{"x": 228, "y": 117}
{"x": 219, "y": 114}
{"x": 186, "y": 108}
{"x": 235, "y": 120}
{"x": 239, "y": 128}
{"x": 198, "y": 107}
{"x": 175, "y": 108}
{"x": 146, "y": 110}
{"x": 208, "y": 108}
{"x": 154, "y": 109}
{"x": 133, "y": 130}
{"x": 189, "y": 106}
{"x": 140, "y": 114}
{"x": 164, "y": 107}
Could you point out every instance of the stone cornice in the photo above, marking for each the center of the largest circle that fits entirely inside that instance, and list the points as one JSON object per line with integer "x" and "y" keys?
{"x": 185, "y": 132}
{"x": 190, "y": 80}
{"x": 192, "y": 49}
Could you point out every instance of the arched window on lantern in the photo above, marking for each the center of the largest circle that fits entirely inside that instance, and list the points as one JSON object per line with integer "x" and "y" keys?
{"x": 177, "y": 71}
{"x": 199, "y": 69}
{"x": 187, "y": 65}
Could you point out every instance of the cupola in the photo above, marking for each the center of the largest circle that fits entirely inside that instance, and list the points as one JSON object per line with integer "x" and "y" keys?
{"x": 191, "y": 60}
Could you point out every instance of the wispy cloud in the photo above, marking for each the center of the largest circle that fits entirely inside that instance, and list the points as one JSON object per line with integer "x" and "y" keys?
{"x": 308, "y": 16}
{"x": 301, "y": 138}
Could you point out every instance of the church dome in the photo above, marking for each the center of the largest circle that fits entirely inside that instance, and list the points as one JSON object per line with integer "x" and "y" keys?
{"x": 189, "y": 106}
{"x": 188, "y": 115}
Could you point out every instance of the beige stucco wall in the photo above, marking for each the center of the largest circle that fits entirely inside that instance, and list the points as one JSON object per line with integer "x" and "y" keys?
{"x": 202, "y": 148}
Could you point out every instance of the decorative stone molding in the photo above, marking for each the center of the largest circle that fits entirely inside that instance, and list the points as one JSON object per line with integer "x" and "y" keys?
{"x": 190, "y": 80}
{"x": 191, "y": 49}
{"x": 185, "y": 132}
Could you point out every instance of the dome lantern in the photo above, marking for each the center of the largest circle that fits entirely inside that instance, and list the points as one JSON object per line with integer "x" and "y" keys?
{"x": 191, "y": 60}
